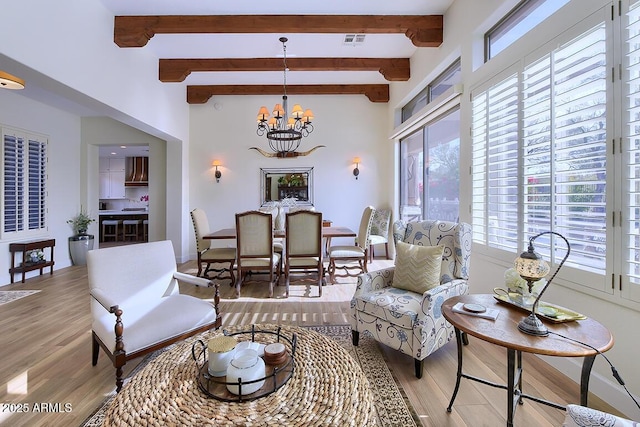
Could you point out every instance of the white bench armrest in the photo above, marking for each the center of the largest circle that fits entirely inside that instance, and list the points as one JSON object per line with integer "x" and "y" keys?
{"x": 193, "y": 280}
{"x": 105, "y": 300}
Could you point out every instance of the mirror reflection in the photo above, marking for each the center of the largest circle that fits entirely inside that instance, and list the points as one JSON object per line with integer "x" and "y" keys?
{"x": 278, "y": 184}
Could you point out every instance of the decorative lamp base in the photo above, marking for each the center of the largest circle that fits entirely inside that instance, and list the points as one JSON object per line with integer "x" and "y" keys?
{"x": 533, "y": 326}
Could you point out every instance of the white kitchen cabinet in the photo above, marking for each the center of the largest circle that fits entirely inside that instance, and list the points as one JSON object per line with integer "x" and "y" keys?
{"x": 112, "y": 176}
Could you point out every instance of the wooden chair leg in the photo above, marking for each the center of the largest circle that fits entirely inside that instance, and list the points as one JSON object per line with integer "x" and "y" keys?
{"x": 386, "y": 249}
{"x": 419, "y": 367}
{"x": 355, "y": 337}
{"x": 199, "y": 266}
{"x": 233, "y": 278}
{"x": 119, "y": 380}
{"x": 95, "y": 351}
{"x": 238, "y": 283}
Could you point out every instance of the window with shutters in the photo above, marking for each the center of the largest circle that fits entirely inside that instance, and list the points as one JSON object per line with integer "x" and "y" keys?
{"x": 550, "y": 152}
{"x": 24, "y": 190}
{"x": 630, "y": 157}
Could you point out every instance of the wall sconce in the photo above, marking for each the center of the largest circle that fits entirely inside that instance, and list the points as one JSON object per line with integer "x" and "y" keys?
{"x": 8, "y": 81}
{"x": 217, "y": 163}
{"x": 356, "y": 171}
{"x": 531, "y": 267}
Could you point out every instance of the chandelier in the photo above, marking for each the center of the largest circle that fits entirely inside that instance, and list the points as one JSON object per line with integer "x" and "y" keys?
{"x": 284, "y": 131}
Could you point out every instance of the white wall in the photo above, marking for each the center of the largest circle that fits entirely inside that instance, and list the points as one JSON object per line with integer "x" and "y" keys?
{"x": 63, "y": 168}
{"x": 67, "y": 56}
{"x": 97, "y": 131}
{"x": 349, "y": 126}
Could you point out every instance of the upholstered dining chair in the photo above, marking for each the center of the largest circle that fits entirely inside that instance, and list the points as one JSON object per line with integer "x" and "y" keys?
{"x": 208, "y": 255}
{"x": 136, "y": 305}
{"x": 380, "y": 231}
{"x": 254, "y": 241}
{"x": 303, "y": 246}
{"x": 400, "y": 306}
{"x": 358, "y": 252}
{"x": 278, "y": 243}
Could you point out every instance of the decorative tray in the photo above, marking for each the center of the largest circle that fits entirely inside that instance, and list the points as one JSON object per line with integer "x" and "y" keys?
{"x": 275, "y": 375}
{"x": 551, "y": 312}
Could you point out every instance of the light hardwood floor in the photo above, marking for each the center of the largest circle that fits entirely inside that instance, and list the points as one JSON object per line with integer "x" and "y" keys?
{"x": 46, "y": 355}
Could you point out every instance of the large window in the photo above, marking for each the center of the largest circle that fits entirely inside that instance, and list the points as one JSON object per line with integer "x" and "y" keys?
{"x": 24, "y": 160}
{"x": 430, "y": 170}
{"x": 437, "y": 87}
{"x": 526, "y": 15}
{"x": 556, "y": 146}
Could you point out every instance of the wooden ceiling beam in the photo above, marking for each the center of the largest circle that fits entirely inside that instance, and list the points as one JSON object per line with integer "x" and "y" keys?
{"x": 176, "y": 70}
{"x": 136, "y": 31}
{"x": 200, "y": 94}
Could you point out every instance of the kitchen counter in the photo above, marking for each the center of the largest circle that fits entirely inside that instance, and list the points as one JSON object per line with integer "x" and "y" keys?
{"x": 121, "y": 212}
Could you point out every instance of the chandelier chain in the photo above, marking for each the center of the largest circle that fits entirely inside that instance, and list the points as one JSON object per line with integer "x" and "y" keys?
{"x": 284, "y": 63}
{"x": 284, "y": 131}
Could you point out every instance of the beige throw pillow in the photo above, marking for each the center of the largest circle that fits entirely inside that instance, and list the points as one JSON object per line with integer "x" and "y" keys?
{"x": 417, "y": 267}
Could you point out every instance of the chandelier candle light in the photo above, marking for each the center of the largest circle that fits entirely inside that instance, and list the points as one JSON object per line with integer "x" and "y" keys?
{"x": 284, "y": 132}
{"x": 531, "y": 267}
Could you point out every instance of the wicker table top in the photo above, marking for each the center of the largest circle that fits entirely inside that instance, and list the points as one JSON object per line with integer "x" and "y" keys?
{"x": 328, "y": 387}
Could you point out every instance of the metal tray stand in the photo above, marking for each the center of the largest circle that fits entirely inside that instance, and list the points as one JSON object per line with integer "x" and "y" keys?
{"x": 275, "y": 375}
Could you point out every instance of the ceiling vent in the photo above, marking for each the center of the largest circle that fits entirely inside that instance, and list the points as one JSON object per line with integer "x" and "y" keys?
{"x": 353, "y": 39}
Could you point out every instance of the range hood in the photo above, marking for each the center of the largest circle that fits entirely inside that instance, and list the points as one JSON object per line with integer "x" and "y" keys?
{"x": 138, "y": 172}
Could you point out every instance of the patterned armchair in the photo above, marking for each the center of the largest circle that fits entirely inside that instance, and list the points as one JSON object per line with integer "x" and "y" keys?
{"x": 409, "y": 322}
{"x": 581, "y": 416}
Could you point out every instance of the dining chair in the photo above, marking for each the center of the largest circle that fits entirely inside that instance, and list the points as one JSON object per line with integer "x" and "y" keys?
{"x": 379, "y": 231}
{"x": 278, "y": 243}
{"x": 254, "y": 241}
{"x": 209, "y": 255}
{"x": 303, "y": 246}
{"x": 358, "y": 252}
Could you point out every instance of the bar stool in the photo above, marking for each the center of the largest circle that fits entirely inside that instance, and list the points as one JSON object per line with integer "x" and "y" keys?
{"x": 131, "y": 229}
{"x": 110, "y": 228}
{"x": 145, "y": 230}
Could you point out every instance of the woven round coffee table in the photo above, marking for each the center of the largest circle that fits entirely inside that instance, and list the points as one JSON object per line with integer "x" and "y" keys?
{"x": 327, "y": 388}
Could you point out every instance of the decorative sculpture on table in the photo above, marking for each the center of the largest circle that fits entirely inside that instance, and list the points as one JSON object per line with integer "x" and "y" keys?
{"x": 531, "y": 267}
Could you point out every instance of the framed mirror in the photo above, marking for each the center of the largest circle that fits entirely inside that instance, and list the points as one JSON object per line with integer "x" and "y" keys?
{"x": 281, "y": 183}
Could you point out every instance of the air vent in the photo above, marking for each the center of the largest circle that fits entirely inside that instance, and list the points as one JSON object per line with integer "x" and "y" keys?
{"x": 353, "y": 39}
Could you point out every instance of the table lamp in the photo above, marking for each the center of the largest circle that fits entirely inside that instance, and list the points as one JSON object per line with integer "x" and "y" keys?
{"x": 531, "y": 267}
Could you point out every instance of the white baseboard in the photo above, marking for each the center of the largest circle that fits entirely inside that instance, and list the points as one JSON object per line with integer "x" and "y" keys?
{"x": 606, "y": 388}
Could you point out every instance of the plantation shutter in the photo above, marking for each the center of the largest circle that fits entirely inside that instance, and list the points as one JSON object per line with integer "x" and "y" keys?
{"x": 495, "y": 165}
{"x": 564, "y": 148}
{"x": 631, "y": 170}
{"x": 24, "y": 193}
{"x": 37, "y": 191}
{"x": 13, "y": 200}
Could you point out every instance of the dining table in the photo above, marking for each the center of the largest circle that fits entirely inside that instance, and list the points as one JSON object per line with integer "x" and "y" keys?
{"x": 327, "y": 233}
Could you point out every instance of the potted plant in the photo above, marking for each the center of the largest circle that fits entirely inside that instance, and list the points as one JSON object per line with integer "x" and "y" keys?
{"x": 80, "y": 222}
{"x": 81, "y": 242}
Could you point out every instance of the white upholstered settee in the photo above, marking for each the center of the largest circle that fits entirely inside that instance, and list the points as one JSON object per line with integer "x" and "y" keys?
{"x": 136, "y": 305}
{"x": 410, "y": 322}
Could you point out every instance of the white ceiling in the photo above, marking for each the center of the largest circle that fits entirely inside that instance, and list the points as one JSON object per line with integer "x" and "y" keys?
{"x": 268, "y": 45}
{"x": 124, "y": 151}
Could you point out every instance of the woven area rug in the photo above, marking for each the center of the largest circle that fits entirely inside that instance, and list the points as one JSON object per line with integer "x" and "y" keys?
{"x": 9, "y": 296}
{"x": 390, "y": 402}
